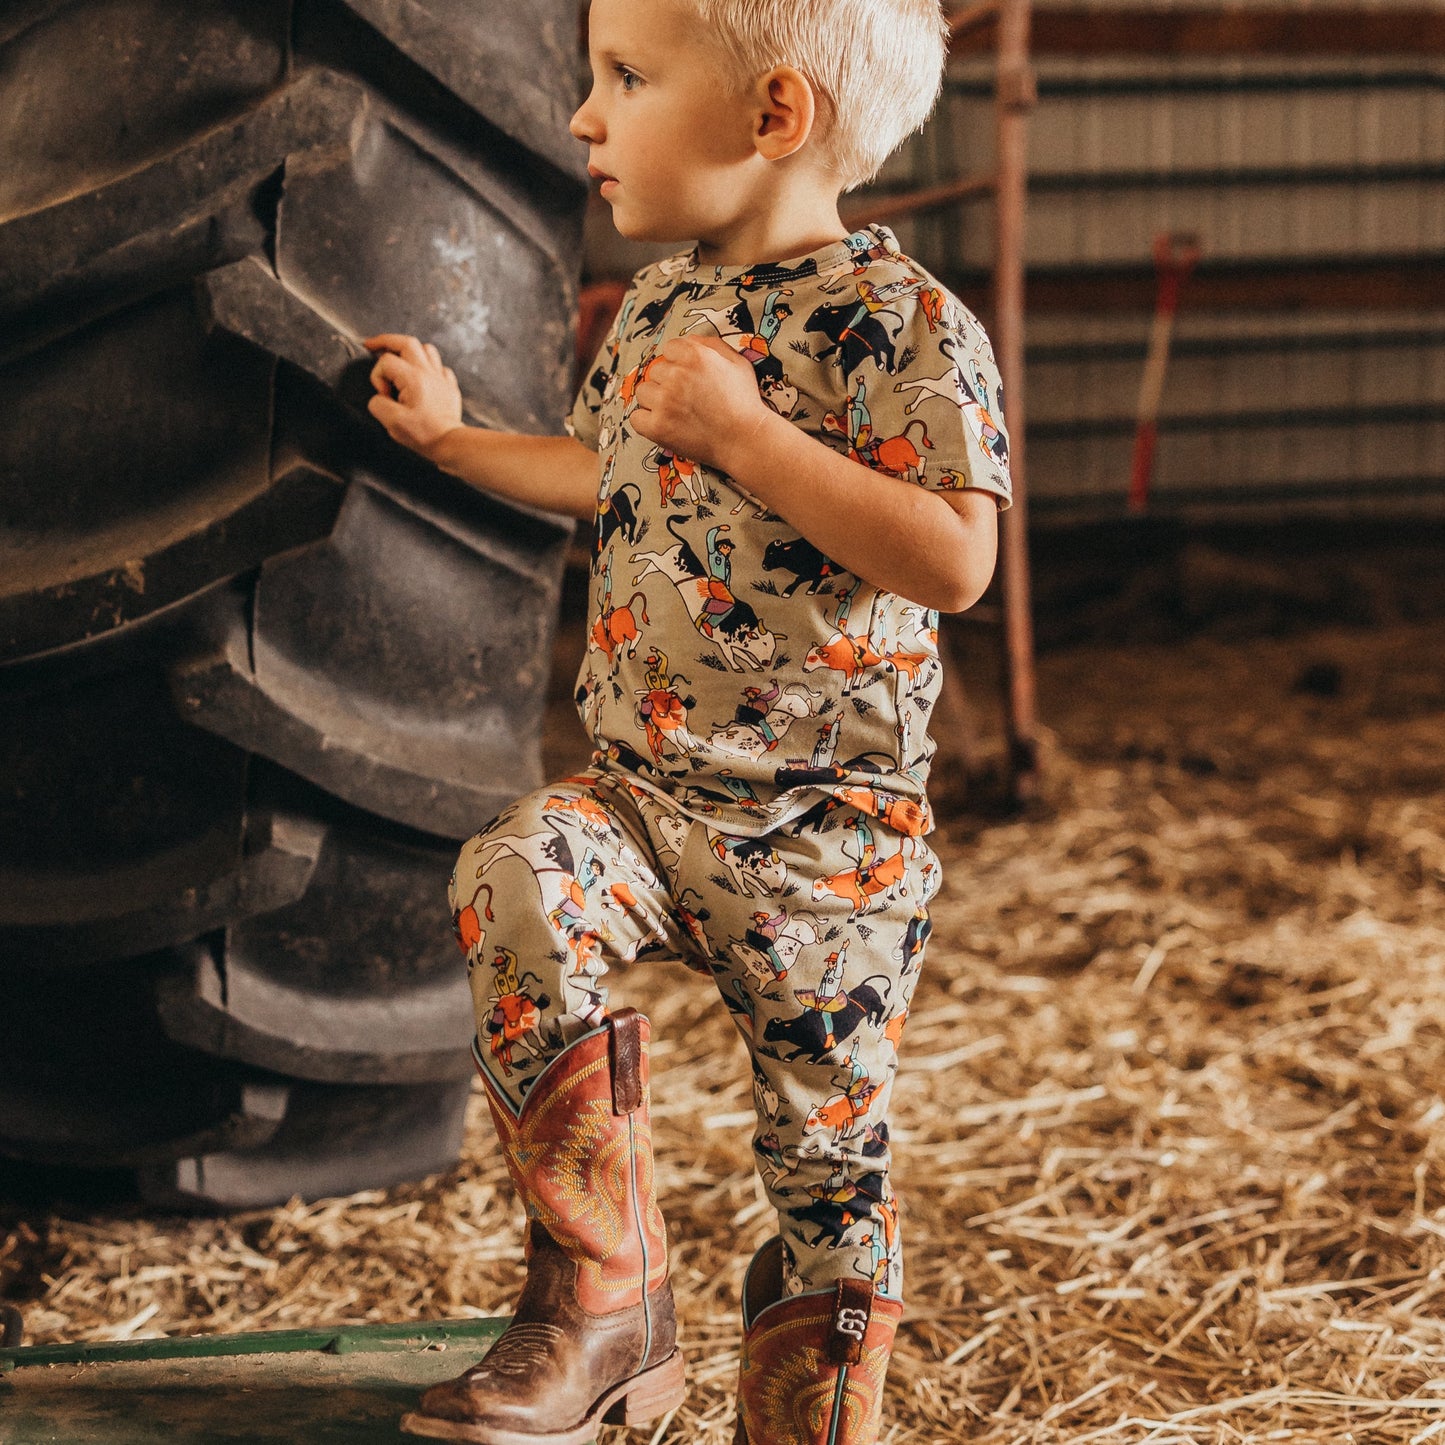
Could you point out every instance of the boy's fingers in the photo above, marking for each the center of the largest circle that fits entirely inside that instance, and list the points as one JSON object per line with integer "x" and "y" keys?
{"x": 433, "y": 353}
{"x": 405, "y": 346}
{"x": 383, "y": 341}
{"x": 385, "y": 410}
{"x": 390, "y": 371}
{"x": 716, "y": 343}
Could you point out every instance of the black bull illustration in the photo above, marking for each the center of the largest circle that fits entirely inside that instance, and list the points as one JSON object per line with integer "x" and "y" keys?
{"x": 808, "y": 1034}
{"x": 857, "y": 340}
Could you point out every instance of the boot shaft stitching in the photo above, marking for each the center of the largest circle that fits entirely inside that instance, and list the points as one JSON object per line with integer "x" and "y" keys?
{"x": 642, "y": 1240}
{"x": 838, "y": 1393}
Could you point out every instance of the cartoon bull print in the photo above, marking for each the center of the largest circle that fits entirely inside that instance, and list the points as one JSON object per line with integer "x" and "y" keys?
{"x": 863, "y": 886}
{"x": 855, "y": 338}
{"x": 583, "y": 805}
{"x": 654, "y": 313}
{"x": 915, "y": 937}
{"x": 692, "y": 920}
{"x": 466, "y": 926}
{"x": 765, "y": 1097}
{"x": 773, "y": 1163}
{"x": 735, "y": 326}
{"x": 771, "y": 946}
{"x": 829, "y": 1000}
{"x": 917, "y": 668}
{"x": 973, "y": 393}
{"x": 893, "y": 1030}
{"x": 616, "y": 512}
{"x": 903, "y": 815}
{"x": 753, "y": 864}
{"x": 515, "y": 1013}
{"x": 896, "y": 455}
{"x": 945, "y": 388}
{"x": 729, "y": 624}
{"x": 838, "y": 1113}
{"x": 672, "y": 830}
{"x": 673, "y": 472}
{"x": 616, "y": 633}
{"x": 833, "y": 1221}
{"x": 930, "y": 300}
{"x": 627, "y": 387}
{"x": 764, "y": 717}
{"x": 873, "y": 882}
{"x": 662, "y": 712}
{"x": 803, "y": 560}
{"x": 545, "y": 852}
{"x": 564, "y": 892}
{"x": 852, "y": 656}
{"x": 808, "y": 1034}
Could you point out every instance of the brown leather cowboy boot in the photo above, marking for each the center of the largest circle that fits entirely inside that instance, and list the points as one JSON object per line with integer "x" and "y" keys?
{"x": 594, "y": 1335}
{"x": 813, "y": 1364}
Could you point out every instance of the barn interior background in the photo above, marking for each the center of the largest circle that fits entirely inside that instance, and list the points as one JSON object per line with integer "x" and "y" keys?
{"x": 1170, "y": 1113}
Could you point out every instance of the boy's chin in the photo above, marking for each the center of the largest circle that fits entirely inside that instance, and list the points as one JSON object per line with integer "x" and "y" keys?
{"x": 632, "y": 227}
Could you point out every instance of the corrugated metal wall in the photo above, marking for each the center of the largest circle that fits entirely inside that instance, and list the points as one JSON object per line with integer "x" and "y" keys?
{"x": 1274, "y": 163}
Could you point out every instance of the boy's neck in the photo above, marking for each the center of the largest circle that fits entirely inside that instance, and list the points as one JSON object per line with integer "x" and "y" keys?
{"x": 774, "y": 233}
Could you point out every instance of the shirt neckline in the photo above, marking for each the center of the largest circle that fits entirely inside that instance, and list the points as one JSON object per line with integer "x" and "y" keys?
{"x": 847, "y": 250}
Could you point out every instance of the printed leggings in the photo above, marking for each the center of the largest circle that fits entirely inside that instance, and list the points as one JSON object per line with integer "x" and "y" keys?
{"x": 814, "y": 935}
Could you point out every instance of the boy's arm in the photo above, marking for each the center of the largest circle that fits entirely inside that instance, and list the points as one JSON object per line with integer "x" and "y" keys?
{"x": 700, "y": 400}
{"x": 419, "y": 403}
{"x": 558, "y": 474}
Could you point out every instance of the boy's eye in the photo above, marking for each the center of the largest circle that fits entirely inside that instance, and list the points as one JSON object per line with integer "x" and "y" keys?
{"x": 630, "y": 79}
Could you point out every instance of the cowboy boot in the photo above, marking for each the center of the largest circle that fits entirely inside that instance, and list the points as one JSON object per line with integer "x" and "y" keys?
{"x": 812, "y": 1364}
{"x": 593, "y": 1338}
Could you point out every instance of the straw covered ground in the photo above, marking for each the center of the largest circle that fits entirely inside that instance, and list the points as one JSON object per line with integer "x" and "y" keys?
{"x": 1170, "y": 1127}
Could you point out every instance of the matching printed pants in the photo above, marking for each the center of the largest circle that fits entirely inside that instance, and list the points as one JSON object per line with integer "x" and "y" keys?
{"x": 813, "y": 934}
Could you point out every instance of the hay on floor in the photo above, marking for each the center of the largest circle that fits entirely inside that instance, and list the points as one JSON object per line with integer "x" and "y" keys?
{"x": 1169, "y": 1124}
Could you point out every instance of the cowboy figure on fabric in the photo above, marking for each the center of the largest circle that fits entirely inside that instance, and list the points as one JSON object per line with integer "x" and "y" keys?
{"x": 790, "y": 447}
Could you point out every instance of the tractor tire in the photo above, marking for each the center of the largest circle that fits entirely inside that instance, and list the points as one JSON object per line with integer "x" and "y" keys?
{"x": 260, "y": 667}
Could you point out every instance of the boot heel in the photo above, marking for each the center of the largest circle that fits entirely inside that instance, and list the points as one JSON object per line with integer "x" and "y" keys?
{"x": 652, "y": 1393}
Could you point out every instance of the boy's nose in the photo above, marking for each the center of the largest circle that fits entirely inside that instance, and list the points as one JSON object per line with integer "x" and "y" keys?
{"x": 585, "y": 123}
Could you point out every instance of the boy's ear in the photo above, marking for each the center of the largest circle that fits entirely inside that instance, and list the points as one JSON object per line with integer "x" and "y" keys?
{"x": 786, "y": 111}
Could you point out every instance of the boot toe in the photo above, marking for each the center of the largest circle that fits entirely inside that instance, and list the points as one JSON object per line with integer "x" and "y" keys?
{"x": 450, "y": 1401}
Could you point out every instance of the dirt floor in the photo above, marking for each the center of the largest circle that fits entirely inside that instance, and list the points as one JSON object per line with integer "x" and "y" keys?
{"x": 1171, "y": 1140}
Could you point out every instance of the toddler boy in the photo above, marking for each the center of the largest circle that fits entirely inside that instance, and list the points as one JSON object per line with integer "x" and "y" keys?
{"x": 792, "y": 446}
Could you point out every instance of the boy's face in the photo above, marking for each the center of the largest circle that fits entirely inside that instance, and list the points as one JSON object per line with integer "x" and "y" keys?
{"x": 671, "y": 138}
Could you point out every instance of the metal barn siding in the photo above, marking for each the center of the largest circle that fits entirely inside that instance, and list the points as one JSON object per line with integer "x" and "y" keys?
{"x": 1275, "y": 162}
{"x": 1263, "y": 409}
{"x": 1263, "y": 159}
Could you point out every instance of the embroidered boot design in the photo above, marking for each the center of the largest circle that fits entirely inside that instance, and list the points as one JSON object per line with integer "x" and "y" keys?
{"x": 594, "y": 1335}
{"x": 813, "y": 1365}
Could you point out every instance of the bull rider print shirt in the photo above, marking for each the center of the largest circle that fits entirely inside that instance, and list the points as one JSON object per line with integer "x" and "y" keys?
{"x": 738, "y": 673}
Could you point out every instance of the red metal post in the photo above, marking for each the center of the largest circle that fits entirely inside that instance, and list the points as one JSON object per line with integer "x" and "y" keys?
{"x": 1015, "y": 97}
{"x": 1175, "y": 255}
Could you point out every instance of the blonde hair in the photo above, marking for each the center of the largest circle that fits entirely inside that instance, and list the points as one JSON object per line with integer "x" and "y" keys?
{"x": 876, "y": 66}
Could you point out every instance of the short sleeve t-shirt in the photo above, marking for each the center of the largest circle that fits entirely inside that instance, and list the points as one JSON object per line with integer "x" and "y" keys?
{"x": 742, "y": 676}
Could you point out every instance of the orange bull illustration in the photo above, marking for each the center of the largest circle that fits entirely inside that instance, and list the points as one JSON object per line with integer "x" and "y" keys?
{"x": 862, "y": 884}
{"x": 617, "y": 628}
{"x": 840, "y": 1112}
{"x": 851, "y": 656}
{"x": 466, "y": 925}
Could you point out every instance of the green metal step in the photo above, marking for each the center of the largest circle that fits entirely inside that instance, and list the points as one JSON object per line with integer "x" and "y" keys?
{"x": 305, "y": 1387}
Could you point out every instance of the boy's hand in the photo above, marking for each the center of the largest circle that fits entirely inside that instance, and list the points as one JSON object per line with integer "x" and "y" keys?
{"x": 418, "y": 400}
{"x": 699, "y": 400}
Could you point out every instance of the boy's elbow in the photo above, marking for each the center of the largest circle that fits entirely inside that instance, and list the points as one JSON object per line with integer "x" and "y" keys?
{"x": 961, "y": 593}
{"x": 969, "y": 577}
{"x": 971, "y": 550}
